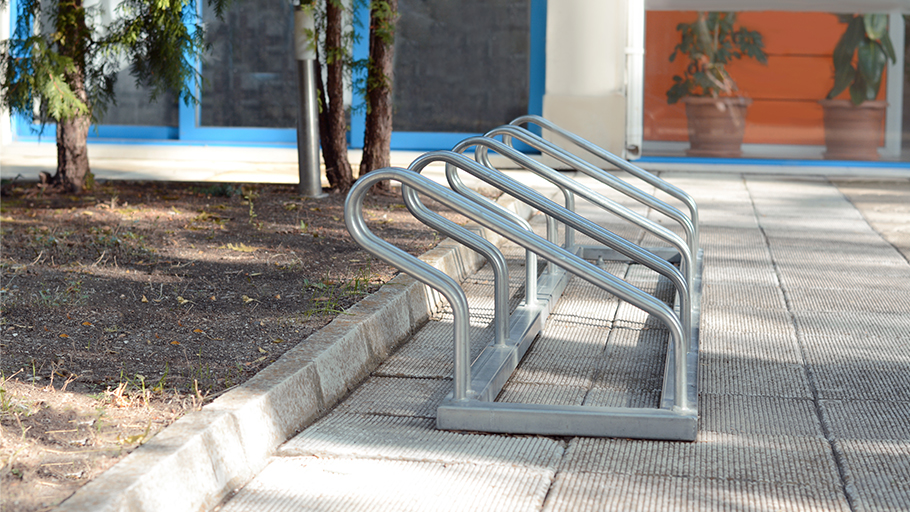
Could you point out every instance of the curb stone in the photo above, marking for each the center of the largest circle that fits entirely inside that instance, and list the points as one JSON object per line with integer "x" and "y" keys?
{"x": 201, "y": 458}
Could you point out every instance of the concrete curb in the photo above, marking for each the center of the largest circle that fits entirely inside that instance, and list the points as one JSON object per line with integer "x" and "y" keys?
{"x": 196, "y": 462}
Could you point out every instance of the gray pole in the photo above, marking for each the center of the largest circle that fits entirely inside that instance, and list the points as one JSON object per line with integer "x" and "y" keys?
{"x": 310, "y": 184}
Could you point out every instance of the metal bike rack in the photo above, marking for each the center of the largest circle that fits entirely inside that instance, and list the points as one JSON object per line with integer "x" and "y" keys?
{"x": 472, "y": 404}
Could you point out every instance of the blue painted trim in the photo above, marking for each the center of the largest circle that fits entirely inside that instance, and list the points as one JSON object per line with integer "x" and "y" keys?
{"x": 422, "y": 141}
{"x": 361, "y": 52}
{"x": 538, "y": 57}
{"x": 26, "y": 131}
{"x": 770, "y": 162}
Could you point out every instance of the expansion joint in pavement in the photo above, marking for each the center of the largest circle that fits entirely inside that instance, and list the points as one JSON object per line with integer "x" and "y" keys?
{"x": 810, "y": 375}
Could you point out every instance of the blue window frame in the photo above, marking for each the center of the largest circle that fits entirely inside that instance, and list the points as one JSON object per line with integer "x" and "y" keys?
{"x": 189, "y": 130}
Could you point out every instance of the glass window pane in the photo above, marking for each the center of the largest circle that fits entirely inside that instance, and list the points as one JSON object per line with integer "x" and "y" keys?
{"x": 134, "y": 105}
{"x": 250, "y": 75}
{"x": 461, "y": 66}
{"x": 785, "y": 118}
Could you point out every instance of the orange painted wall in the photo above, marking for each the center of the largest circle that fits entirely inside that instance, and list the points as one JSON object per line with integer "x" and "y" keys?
{"x": 785, "y": 93}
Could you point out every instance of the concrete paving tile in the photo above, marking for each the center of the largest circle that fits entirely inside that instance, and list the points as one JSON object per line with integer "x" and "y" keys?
{"x": 861, "y": 351}
{"x": 737, "y": 375}
{"x": 555, "y": 369}
{"x": 416, "y": 439}
{"x": 429, "y": 354}
{"x": 545, "y": 394}
{"x": 857, "y": 276}
{"x": 820, "y": 209}
{"x": 584, "y": 305}
{"x": 767, "y": 321}
{"x": 721, "y": 219}
{"x": 729, "y": 295}
{"x": 634, "y": 360}
{"x": 750, "y": 254}
{"x": 851, "y": 325}
{"x": 716, "y": 236}
{"x": 631, "y": 317}
{"x": 568, "y": 341}
{"x": 877, "y": 472}
{"x": 309, "y": 483}
{"x": 397, "y": 397}
{"x": 623, "y": 229}
{"x": 634, "y": 393}
{"x": 866, "y": 419}
{"x": 813, "y": 227}
{"x": 758, "y": 415}
{"x": 835, "y": 253}
{"x": 863, "y": 381}
{"x": 780, "y": 348}
{"x": 780, "y": 459}
{"x": 760, "y": 275}
{"x": 871, "y": 300}
{"x": 795, "y": 188}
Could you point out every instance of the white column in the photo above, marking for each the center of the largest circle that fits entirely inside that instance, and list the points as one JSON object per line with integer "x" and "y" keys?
{"x": 586, "y": 69}
{"x": 895, "y": 91}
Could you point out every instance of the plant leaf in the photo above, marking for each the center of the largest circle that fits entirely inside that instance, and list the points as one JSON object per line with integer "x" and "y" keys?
{"x": 871, "y": 61}
{"x": 846, "y": 46}
{"x": 858, "y": 90}
{"x": 876, "y": 25}
{"x": 888, "y": 47}
{"x": 843, "y": 78}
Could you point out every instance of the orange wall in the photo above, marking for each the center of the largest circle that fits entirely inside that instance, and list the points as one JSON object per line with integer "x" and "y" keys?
{"x": 785, "y": 93}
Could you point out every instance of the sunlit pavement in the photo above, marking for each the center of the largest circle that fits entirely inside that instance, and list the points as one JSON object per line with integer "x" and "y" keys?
{"x": 804, "y": 378}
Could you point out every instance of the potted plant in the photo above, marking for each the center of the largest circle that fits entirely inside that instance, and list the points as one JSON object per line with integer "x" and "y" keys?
{"x": 716, "y": 118}
{"x": 853, "y": 128}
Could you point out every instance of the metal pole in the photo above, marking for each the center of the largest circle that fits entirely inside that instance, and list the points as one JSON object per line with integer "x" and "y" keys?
{"x": 310, "y": 184}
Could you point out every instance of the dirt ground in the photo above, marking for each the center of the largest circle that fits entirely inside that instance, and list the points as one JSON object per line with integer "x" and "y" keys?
{"x": 126, "y": 307}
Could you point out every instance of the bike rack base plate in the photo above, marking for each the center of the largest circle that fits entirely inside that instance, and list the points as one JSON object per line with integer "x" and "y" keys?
{"x": 495, "y": 364}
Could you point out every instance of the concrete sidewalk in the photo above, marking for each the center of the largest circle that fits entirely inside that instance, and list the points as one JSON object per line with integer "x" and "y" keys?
{"x": 804, "y": 384}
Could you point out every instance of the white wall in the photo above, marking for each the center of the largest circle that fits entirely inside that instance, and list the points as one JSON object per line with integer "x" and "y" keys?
{"x": 585, "y": 83}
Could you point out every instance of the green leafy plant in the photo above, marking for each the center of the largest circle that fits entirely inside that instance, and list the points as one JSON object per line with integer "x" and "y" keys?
{"x": 861, "y": 55}
{"x": 710, "y": 43}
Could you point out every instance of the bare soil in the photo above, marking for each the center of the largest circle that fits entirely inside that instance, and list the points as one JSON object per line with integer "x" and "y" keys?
{"x": 126, "y": 307}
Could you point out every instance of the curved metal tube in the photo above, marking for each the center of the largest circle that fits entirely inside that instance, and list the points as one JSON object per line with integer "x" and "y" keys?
{"x": 620, "y": 163}
{"x": 420, "y": 270}
{"x": 600, "y": 175}
{"x": 532, "y": 197}
{"x": 552, "y": 252}
{"x": 688, "y": 267}
{"x": 489, "y": 251}
{"x": 560, "y": 180}
{"x": 530, "y": 256}
{"x": 552, "y": 228}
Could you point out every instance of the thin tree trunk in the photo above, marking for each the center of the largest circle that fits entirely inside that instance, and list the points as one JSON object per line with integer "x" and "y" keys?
{"x": 338, "y": 170}
{"x": 328, "y": 150}
{"x": 378, "y": 130}
{"x": 72, "y": 133}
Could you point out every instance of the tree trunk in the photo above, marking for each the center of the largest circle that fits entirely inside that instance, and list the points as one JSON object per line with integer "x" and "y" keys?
{"x": 72, "y": 132}
{"x": 338, "y": 170}
{"x": 378, "y": 131}
{"x": 72, "y": 154}
{"x": 328, "y": 150}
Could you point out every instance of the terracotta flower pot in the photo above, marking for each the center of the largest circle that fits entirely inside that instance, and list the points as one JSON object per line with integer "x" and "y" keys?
{"x": 716, "y": 126}
{"x": 853, "y": 132}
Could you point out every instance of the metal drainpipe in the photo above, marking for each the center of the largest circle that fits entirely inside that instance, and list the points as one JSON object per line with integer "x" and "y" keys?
{"x": 310, "y": 184}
